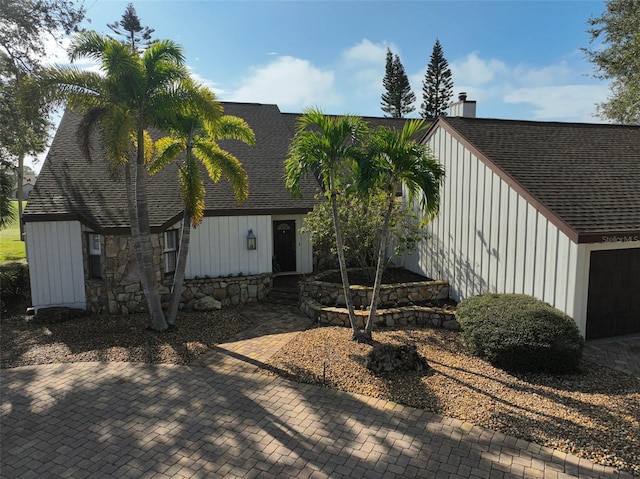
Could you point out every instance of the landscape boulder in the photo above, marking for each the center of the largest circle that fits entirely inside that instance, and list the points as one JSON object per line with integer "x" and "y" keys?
{"x": 208, "y": 303}
{"x": 388, "y": 358}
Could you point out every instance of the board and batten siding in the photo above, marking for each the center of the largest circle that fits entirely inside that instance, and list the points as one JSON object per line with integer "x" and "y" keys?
{"x": 218, "y": 246}
{"x": 487, "y": 238}
{"x": 56, "y": 268}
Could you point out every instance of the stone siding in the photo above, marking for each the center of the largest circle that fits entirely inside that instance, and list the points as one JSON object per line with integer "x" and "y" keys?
{"x": 119, "y": 291}
{"x": 321, "y": 301}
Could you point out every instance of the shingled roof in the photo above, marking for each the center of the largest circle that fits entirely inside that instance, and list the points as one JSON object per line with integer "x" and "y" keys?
{"x": 72, "y": 186}
{"x": 584, "y": 177}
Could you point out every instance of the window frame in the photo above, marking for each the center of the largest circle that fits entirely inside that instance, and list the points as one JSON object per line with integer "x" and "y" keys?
{"x": 170, "y": 253}
{"x": 94, "y": 256}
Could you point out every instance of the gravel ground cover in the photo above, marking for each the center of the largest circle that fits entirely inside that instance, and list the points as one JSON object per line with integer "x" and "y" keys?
{"x": 595, "y": 414}
{"x": 26, "y": 341}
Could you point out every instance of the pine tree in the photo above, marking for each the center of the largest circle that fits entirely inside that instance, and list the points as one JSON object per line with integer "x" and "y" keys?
{"x": 131, "y": 28}
{"x": 437, "y": 86}
{"x": 398, "y": 99}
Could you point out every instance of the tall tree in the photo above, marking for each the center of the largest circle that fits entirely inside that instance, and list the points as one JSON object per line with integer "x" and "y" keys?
{"x": 135, "y": 91}
{"x": 194, "y": 134}
{"x": 130, "y": 27}
{"x": 326, "y": 146}
{"x": 7, "y": 211}
{"x": 617, "y": 58}
{"x": 398, "y": 98}
{"x": 437, "y": 86}
{"x": 395, "y": 158}
{"x": 24, "y": 27}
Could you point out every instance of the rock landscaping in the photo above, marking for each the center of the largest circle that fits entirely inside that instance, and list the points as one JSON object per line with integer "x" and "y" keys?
{"x": 405, "y": 303}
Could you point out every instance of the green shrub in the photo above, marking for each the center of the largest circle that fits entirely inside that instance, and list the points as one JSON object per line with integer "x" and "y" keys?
{"x": 520, "y": 333}
{"x": 14, "y": 284}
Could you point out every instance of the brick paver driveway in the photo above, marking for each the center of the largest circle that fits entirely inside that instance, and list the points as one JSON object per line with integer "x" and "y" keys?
{"x": 138, "y": 420}
{"x": 219, "y": 417}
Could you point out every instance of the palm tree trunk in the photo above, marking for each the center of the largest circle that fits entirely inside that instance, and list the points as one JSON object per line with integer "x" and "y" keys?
{"x": 382, "y": 258}
{"x": 145, "y": 251}
{"x": 19, "y": 193}
{"x": 136, "y": 238}
{"x": 357, "y": 334}
{"x": 181, "y": 266}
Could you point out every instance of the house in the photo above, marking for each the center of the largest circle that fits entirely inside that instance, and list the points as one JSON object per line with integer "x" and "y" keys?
{"x": 28, "y": 182}
{"x": 541, "y": 208}
{"x": 77, "y": 227}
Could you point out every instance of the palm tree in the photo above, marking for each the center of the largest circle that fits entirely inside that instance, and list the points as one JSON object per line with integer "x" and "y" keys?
{"x": 189, "y": 133}
{"x": 327, "y": 146}
{"x": 133, "y": 92}
{"x": 394, "y": 158}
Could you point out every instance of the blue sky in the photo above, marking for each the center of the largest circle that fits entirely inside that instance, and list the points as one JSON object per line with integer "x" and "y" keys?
{"x": 517, "y": 59}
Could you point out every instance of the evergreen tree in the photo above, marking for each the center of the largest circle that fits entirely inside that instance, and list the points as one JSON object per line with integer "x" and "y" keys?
{"x": 437, "y": 86}
{"x": 131, "y": 28}
{"x": 398, "y": 99}
{"x": 618, "y": 59}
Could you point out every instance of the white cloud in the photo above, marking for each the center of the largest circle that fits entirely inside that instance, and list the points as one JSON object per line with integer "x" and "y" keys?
{"x": 571, "y": 102}
{"x": 291, "y": 83}
{"x": 56, "y": 51}
{"x": 473, "y": 70}
{"x": 556, "y": 91}
{"x": 367, "y": 52}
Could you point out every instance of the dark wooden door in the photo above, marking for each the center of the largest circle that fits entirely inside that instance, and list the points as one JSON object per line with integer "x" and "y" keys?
{"x": 284, "y": 244}
{"x": 613, "y": 306}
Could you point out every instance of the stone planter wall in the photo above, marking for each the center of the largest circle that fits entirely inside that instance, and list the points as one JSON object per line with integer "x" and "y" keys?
{"x": 385, "y": 317}
{"x": 321, "y": 301}
{"x": 119, "y": 291}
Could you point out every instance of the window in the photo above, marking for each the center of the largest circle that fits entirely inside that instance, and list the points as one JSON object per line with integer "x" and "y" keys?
{"x": 170, "y": 251}
{"x": 95, "y": 251}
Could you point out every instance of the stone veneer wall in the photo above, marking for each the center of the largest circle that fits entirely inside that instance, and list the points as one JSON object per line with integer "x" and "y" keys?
{"x": 320, "y": 301}
{"x": 119, "y": 291}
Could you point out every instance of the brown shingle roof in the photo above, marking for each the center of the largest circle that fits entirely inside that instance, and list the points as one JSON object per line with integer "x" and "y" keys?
{"x": 586, "y": 175}
{"x": 70, "y": 186}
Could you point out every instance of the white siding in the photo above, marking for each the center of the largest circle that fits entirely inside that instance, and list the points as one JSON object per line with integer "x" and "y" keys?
{"x": 218, "y": 247}
{"x": 488, "y": 238}
{"x": 56, "y": 269}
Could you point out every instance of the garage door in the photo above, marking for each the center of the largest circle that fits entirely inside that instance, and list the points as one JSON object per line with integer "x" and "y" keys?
{"x": 613, "y": 306}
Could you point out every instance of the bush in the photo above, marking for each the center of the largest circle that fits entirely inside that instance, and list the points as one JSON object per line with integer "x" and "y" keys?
{"x": 14, "y": 284}
{"x": 520, "y": 333}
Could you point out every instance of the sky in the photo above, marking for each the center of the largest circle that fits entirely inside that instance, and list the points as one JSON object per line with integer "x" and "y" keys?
{"x": 517, "y": 59}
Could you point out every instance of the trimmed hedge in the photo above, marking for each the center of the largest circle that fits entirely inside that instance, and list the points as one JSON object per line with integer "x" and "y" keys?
{"x": 520, "y": 333}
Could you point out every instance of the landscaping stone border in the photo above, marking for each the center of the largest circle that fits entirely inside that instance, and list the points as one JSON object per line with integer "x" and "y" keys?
{"x": 321, "y": 301}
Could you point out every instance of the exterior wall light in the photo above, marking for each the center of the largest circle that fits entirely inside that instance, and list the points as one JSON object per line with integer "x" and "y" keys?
{"x": 251, "y": 240}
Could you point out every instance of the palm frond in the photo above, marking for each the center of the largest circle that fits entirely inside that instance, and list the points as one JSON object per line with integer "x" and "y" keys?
{"x": 167, "y": 150}
{"x": 230, "y": 127}
{"x": 220, "y": 163}
{"x": 88, "y": 127}
{"x": 192, "y": 190}
{"x": 119, "y": 130}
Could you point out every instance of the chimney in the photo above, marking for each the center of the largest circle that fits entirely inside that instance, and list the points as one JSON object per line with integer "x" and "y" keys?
{"x": 463, "y": 107}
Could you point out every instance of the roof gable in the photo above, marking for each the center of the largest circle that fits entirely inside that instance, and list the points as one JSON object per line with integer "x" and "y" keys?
{"x": 71, "y": 186}
{"x": 585, "y": 176}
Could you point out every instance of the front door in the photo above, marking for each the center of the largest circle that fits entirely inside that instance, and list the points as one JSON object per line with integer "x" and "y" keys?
{"x": 284, "y": 245}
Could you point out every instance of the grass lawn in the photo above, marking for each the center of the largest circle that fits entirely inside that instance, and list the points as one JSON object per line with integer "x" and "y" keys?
{"x": 11, "y": 248}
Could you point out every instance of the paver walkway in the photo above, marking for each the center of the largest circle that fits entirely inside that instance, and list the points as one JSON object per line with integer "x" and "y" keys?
{"x": 620, "y": 353}
{"x": 218, "y": 418}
